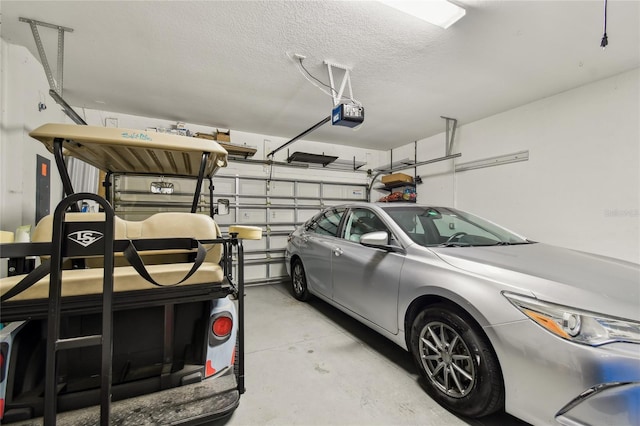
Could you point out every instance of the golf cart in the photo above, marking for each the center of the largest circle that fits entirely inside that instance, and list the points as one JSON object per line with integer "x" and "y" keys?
{"x": 125, "y": 322}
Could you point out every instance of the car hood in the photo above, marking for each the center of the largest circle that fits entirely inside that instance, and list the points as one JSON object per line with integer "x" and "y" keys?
{"x": 581, "y": 280}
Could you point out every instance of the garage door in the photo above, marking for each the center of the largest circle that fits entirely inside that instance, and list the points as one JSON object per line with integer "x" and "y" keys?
{"x": 276, "y": 205}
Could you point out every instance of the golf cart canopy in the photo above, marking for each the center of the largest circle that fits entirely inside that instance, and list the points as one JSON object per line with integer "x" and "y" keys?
{"x": 118, "y": 150}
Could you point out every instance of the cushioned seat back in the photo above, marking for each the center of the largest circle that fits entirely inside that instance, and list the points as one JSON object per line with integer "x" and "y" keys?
{"x": 160, "y": 225}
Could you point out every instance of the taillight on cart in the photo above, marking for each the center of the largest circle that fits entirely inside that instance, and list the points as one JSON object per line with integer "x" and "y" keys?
{"x": 222, "y": 326}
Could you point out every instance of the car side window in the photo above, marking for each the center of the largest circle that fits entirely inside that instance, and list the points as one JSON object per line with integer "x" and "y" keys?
{"x": 360, "y": 222}
{"x": 327, "y": 222}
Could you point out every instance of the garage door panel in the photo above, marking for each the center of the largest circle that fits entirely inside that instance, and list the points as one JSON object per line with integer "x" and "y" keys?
{"x": 224, "y": 185}
{"x": 253, "y": 187}
{"x": 278, "y": 242}
{"x": 253, "y": 216}
{"x": 255, "y": 244}
{"x": 281, "y": 189}
{"x": 282, "y": 216}
{"x": 228, "y": 219}
{"x": 306, "y": 189}
{"x": 278, "y": 269}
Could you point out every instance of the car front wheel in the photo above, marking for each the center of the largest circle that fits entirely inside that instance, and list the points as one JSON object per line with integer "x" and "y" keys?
{"x": 299, "y": 282}
{"x": 458, "y": 363}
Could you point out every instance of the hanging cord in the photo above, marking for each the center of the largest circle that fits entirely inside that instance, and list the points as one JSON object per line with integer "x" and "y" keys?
{"x": 302, "y": 67}
{"x": 605, "y": 40}
{"x": 316, "y": 79}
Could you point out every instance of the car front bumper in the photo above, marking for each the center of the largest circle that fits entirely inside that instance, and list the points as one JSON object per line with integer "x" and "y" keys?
{"x": 549, "y": 380}
{"x": 619, "y": 402}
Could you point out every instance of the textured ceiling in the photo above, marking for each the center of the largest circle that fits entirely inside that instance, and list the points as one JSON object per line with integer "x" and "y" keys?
{"x": 224, "y": 64}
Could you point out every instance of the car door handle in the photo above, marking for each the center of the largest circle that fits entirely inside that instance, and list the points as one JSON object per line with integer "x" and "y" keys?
{"x": 337, "y": 251}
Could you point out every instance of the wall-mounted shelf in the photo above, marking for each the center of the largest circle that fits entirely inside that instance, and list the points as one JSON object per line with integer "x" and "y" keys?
{"x": 232, "y": 149}
{"x": 326, "y": 161}
{"x": 400, "y": 201}
{"x": 392, "y": 186}
{"x": 238, "y": 150}
{"x": 395, "y": 165}
{"x": 347, "y": 164}
{"x": 306, "y": 157}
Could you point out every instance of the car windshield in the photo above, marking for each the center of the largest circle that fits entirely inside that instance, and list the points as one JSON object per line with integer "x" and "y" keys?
{"x": 444, "y": 227}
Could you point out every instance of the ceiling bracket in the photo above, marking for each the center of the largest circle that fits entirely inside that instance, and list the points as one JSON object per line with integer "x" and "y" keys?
{"x": 43, "y": 56}
{"x": 346, "y": 80}
{"x": 451, "y": 126}
{"x": 55, "y": 88}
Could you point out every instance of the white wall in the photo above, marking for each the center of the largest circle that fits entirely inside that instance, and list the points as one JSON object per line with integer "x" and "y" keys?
{"x": 23, "y": 86}
{"x": 581, "y": 186}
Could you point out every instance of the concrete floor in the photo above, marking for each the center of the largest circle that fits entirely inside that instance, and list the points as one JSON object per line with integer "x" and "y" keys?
{"x": 310, "y": 364}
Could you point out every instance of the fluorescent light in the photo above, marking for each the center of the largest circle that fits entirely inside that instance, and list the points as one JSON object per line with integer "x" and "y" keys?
{"x": 436, "y": 12}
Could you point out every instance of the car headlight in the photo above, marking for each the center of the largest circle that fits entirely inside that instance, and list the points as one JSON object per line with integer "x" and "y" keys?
{"x": 576, "y": 325}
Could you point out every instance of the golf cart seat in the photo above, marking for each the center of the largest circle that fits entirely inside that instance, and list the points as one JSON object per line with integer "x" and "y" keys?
{"x": 167, "y": 266}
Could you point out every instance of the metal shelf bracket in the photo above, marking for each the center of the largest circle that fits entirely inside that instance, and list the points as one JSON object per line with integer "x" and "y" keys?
{"x": 55, "y": 88}
{"x": 451, "y": 126}
{"x": 43, "y": 56}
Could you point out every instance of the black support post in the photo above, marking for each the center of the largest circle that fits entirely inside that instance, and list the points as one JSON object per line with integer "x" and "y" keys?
{"x": 196, "y": 195}
{"x": 241, "y": 387}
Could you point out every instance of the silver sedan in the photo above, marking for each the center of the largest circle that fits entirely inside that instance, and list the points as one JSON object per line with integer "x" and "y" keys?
{"x": 493, "y": 321}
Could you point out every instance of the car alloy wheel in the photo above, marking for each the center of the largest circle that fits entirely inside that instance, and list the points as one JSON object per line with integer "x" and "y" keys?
{"x": 299, "y": 282}
{"x": 446, "y": 359}
{"x": 457, "y": 361}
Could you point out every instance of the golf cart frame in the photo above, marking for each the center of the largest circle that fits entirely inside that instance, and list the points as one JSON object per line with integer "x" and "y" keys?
{"x": 77, "y": 242}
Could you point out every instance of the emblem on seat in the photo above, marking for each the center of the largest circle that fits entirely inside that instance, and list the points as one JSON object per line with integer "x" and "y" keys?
{"x": 85, "y": 238}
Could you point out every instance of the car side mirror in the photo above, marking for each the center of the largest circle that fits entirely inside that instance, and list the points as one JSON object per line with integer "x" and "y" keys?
{"x": 379, "y": 240}
{"x": 223, "y": 207}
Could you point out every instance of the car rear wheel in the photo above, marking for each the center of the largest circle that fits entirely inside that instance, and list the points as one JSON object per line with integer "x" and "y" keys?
{"x": 299, "y": 282}
{"x": 458, "y": 363}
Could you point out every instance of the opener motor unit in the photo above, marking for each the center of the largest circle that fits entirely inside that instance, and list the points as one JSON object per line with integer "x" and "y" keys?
{"x": 350, "y": 115}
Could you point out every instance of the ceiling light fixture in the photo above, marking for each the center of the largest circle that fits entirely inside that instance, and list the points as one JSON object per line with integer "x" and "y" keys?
{"x": 436, "y": 12}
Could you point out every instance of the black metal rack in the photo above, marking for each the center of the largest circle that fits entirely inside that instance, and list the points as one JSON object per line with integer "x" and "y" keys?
{"x": 61, "y": 250}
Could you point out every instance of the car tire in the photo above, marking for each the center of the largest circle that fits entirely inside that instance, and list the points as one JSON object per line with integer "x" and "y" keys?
{"x": 457, "y": 361}
{"x": 299, "y": 288}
